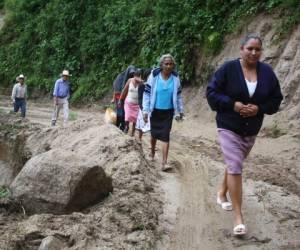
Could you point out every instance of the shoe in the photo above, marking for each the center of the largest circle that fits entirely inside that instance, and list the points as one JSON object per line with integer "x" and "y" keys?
{"x": 226, "y": 205}
{"x": 166, "y": 167}
{"x": 239, "y": 230}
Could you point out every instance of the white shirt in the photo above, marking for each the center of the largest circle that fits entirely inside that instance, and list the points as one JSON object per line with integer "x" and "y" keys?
{"x": 251, "y": 87}
{"x": 19, "y": 91}
{"x": 132, "y": 95}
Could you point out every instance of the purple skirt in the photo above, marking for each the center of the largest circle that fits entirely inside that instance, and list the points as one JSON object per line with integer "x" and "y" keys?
{"x": 235, "y": 149}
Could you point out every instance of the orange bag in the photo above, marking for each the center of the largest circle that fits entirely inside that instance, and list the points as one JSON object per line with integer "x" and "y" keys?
{"x": 110, "y": 116}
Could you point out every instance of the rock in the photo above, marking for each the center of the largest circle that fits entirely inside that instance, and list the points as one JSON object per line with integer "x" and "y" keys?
{"x": 51, "y": 243}
{"x": 60, "y": 181}
{"x": 135, "y": 237}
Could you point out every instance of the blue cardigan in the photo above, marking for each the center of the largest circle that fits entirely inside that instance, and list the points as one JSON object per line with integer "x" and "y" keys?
{"x": 228, "y": 86}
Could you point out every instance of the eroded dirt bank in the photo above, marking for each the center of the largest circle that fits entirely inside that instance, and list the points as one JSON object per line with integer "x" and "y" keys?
{"x": 126, "y": 219}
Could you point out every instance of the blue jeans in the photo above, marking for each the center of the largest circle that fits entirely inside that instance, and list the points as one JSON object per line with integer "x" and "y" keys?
{"x": 20, "y": 103}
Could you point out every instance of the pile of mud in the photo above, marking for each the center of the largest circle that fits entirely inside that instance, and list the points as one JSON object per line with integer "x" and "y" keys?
{"x": 126, "y": 217}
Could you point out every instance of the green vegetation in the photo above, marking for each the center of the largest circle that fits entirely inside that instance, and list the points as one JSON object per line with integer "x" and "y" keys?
{"x": 96, "y": 40}
{"x": 4, "y": 192}
{"x": 10, "y": 128}
{"x": 73, "y": 116}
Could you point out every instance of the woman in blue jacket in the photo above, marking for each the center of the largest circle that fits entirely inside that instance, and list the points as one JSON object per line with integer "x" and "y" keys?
{"x": 242, "y": 91}
{"x": 162, "y": 101}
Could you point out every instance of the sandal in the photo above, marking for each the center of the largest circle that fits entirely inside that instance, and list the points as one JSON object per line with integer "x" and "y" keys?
{"x": 166, "y": 167}
{"x": 225, "y": 205}
{"x": 239, "y": 230}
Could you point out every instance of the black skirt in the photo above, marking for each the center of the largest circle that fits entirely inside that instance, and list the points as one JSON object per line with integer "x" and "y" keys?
{"x": 161, "y": 124}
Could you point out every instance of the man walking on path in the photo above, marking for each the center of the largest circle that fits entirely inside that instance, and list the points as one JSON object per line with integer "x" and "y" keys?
{"x": 19, "y": 95}
{"x": 61, "y": 94}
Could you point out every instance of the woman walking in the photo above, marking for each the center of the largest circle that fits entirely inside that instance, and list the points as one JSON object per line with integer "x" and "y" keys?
{"x": 242, "y": 91}
{"x": 131, "y": 105}
{"x": 162, "y": 101}
{"x": 118, "y": 85}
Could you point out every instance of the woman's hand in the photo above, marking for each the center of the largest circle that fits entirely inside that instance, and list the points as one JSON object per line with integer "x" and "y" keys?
{"x": 249, "y": 110}
{"x": 238, "y": 106}
{"x": 246, "y": 110}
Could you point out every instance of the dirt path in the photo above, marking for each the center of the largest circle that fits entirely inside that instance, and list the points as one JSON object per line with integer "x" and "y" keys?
{"x": 191, "y": 218}
{"x": 40, "y": 112}
{"x": 271, "y": 212}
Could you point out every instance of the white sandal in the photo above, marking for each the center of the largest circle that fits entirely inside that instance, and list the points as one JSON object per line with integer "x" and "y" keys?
{"x": 226, "y": 205}
{"x": 166, "y": 167}
{"x": 239, "y": 230}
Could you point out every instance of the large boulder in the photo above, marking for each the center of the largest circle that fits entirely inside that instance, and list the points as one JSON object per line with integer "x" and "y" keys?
{"x": 60, "y": 181}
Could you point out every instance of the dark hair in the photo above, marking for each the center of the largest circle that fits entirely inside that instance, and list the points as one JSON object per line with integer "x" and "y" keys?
{"x": 138, "y": 72}
{"x": 145, "y": 73}
{"x": 245, "y": 39}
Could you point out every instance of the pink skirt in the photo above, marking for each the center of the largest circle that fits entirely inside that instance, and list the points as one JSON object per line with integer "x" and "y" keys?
{"x": 131, "y": 111}
{"x": 235, "y": 149}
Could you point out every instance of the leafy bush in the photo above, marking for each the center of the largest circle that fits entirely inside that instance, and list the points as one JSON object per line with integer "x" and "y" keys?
{"x": 96, "y": 40}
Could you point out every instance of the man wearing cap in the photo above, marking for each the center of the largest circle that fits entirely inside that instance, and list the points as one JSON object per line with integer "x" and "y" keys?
{"x": 61, "y": 94}
{"x": 19, "y": 95}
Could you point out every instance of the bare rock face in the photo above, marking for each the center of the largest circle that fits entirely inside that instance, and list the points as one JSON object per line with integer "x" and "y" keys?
{"x": 60, "y": 181}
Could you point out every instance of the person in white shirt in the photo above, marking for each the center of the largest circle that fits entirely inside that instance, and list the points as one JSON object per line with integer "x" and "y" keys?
{"x": 19, "y": 95}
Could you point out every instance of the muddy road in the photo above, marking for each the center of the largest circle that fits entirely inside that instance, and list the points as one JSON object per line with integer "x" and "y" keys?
{"x": 192, "y": 219}
{"x": 271, "y": 212}
{"x": 41, "y": 111}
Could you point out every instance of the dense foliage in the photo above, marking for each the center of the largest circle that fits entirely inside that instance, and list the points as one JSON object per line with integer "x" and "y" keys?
{"x": 96, "y": 39}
